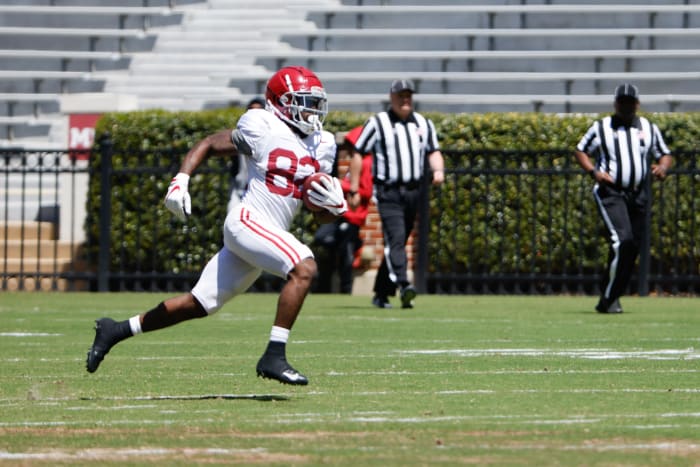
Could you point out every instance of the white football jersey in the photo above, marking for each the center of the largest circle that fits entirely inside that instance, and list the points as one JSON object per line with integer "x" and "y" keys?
{"x": 278, "y": 163}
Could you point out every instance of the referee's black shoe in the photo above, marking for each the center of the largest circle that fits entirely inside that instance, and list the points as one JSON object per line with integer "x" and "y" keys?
{"x": 609, "y": 308}
{"x": 381, "y": 302}
{"x": 408, "y": 294}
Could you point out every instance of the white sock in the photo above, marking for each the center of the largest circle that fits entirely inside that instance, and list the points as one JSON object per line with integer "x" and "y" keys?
{"x": 279, "y": 334}
{"x": 135, "y": 325}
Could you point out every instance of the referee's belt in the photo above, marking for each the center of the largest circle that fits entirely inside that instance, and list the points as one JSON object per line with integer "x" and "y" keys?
{"x": 412, "y": 185}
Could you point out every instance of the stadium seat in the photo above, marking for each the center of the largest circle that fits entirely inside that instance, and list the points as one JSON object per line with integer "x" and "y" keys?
{"x": 519, "y": 52}
{"x": 490, "y": 56}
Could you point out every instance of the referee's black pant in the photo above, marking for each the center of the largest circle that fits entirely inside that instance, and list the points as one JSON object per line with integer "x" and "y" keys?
{"x": 623, "y": 213}
{"x": 397, "y": 206}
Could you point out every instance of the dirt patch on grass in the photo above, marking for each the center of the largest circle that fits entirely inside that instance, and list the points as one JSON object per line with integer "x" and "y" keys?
{"x": 155, "y": 454}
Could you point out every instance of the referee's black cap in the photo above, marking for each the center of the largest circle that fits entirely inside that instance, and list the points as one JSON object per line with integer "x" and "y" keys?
{"x": 402, "y": 85}
{"x": 627, "y": 90}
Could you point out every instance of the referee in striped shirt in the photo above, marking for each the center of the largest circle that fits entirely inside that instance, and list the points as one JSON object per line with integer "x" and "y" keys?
{"x": 401, "y": 142}
{"x": 617, "y": 152}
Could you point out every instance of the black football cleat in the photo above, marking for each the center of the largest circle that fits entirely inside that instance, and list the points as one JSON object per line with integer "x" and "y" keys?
{"x": 381, "y": 302}
{"x": 609, "y": 308}
{"x": 105, "y": 338}
{"x": 615, "y": 307}
{"x": 408, "y": 294}
{"x": 276, "y": 367}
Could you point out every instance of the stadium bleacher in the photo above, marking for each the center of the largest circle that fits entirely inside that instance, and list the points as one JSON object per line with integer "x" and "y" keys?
{"x": 497, "y": 55}
{"x": 504, "y": 50}
{"x": 54, "y": 48}
{"x": 50, "y": 49}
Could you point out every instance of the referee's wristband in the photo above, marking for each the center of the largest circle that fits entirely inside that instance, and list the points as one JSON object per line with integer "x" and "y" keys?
{"x": 592, "y": 173}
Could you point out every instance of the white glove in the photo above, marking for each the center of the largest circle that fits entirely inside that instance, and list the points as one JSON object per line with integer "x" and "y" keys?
{"x": 178, "y": 199}
{"x": 329, "y": 195}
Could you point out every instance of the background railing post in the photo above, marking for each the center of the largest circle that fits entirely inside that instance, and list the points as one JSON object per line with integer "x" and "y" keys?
{"x": 103, "y": 261}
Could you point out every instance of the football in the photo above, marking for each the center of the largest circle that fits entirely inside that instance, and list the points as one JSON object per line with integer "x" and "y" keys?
{"x": 316, "y": 177}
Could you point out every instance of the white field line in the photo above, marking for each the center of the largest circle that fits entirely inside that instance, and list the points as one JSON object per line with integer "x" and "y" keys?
{"x": 496, "y": 419}
{"x": 571, "y": 391}
{"x": 457, "y": 418}
{"x": 491, "y": 342}
{"x": 509, "y": 372}
{"x": 380, "y": 417}
{"x": 63, "y": 455}
{"x": 28, "y": 334}
{"x": 590, "y": 354}
{"x": 681, "y": 446}
{"x": 668, "y": 446}
{"x": 457, "y": 392}
{"x": 114, "y": 408}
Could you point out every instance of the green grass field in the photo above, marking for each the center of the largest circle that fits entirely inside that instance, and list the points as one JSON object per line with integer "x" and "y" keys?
{"x": 459, "y": 380}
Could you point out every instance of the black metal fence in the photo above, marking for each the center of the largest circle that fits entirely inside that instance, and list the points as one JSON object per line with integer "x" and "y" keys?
{"x": 516, "y": 222}
{"x": 525, "y": 222}
{"x": 42, "y": 206}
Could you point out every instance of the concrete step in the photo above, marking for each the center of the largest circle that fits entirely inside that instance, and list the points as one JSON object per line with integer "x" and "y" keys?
{"x": 154, "y": 90}
{"x": 16, "y": 211}
{"x": 267, "y": 4}
{"x": 30, "y": 250}
{"x": 169, "y": 103}
{"x": 154, "y": 78}
{"x": 246, "y": 25}
{"x": 28, "y": 230}
{"x": 155, "y": 68}
{"x": 242, "y": 14}
{"x": 42, "y": 283}
{"x": 189, "y": 103}
{"x": 183, "y": 46}
{"x": 30, "y": 187}
{"x": 26, "y": 120}
{"x": 179, "y": 58}
{"x": 33, "y": 143}
{"x": 17, "y": 266}
{"x": 225, "y": 35}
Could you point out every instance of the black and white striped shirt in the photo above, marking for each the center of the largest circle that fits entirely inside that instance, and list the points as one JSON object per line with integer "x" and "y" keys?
{"x": 399, "y": 147}
{"x": 623, "y": 151}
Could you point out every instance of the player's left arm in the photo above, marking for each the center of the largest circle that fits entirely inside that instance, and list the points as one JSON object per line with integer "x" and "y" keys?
{"x": 665, "y": 160}
{"x": 437, "y": 165}
{"x": 662, "y": 167}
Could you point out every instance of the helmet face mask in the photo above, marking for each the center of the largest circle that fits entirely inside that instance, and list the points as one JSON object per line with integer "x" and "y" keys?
{"x": 297, "y": 97}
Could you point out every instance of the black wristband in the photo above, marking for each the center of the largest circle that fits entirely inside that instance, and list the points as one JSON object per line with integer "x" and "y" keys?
{"x": 592, "y": 173}
{"x": 352, "y": 193}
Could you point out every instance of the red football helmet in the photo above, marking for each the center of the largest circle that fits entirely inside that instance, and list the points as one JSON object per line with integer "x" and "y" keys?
{"x": 296, "y": 95}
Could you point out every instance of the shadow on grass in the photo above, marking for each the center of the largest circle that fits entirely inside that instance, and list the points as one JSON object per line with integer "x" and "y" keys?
{"x": 251, "y": 397}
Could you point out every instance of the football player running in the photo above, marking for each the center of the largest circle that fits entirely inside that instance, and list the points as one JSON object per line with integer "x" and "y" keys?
{"x": 284, "y": 143}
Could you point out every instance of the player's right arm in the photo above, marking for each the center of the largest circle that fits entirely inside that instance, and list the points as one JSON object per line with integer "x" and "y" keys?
{"x": 217, "y": 144}
{"x": 582, "y": 152}
{"x": 177, "y": 199}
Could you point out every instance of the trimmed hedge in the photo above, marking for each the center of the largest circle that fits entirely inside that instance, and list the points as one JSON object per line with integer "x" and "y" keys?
{"x": 149, "y": 146}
